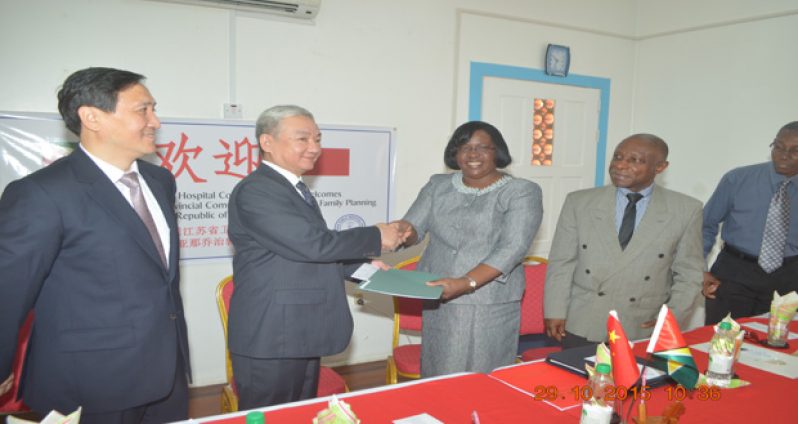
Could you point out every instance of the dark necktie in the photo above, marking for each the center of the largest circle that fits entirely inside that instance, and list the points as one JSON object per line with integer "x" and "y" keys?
{"x": 777, "y": 224}
{"x": 131, "y": 180}
{"x": 306, "y": 194}
{"x": 628, "y": 223}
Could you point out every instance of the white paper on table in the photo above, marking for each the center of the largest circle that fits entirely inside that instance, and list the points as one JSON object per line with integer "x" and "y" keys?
{"x": 365, "y": 271}
{"x": 762, "y": 358}
{"x": 418, "y": 419}
{"x": 758, "y": 326}
{"x": 52, "y": 418}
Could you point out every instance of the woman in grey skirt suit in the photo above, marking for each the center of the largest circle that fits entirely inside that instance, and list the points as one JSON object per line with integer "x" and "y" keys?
{"x": 481, "y": 223}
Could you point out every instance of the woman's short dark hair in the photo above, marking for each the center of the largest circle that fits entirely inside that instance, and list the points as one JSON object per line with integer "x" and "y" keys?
{"x": 464, "y": 132}
{"x": 97, "y": 87}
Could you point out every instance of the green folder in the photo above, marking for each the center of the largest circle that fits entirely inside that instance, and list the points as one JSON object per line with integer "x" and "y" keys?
{"x": 402, "y": 283}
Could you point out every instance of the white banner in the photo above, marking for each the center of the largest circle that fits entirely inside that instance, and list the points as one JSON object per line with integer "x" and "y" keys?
{"x": 352, "y": 182}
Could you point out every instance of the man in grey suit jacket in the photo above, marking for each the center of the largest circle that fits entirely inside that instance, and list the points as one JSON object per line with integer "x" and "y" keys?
{"x": 97, "y": 262}
{"x": 289, "y": 306}
{"x": 661, "y": 261}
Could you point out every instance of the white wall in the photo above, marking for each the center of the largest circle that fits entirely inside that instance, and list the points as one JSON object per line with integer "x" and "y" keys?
{"x": 404, "y": 64}
{"x": 717, "y": 87}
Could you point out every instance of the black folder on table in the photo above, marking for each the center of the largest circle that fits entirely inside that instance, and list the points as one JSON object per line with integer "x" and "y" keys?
{"x": 574, "y": 360}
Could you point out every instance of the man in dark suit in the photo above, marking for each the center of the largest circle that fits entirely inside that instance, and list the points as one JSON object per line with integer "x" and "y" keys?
{"x": 89, "y": 243}
{"x": 289, "y": 307}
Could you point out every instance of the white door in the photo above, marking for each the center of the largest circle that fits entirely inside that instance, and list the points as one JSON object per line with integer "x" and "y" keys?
{"x": 509, "y": 104}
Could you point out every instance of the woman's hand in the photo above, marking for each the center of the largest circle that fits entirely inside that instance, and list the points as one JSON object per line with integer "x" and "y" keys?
{"x": 452, "y": 287}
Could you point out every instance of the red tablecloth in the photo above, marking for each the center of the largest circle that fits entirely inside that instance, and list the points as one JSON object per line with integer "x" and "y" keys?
{"x": 508, "y": 395}
{"x": 451, "y": 400}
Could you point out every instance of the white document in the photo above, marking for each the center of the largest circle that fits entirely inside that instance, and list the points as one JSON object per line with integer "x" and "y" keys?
{"x": 365, "y": 271}
{"x": 418, "y": 419}
{"x": 758, "y": 326}
{"x": 762, "y": 358}
{"x": 52, "y": 418}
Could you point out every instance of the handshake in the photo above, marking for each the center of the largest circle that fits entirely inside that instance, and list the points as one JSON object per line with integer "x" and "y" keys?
{"x": 395, "y": 234}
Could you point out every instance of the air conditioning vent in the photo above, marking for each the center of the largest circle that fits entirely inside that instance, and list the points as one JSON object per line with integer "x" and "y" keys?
{"x": 300, "y": 9}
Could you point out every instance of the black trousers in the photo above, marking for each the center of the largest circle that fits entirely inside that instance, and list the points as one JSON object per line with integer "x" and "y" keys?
{"x": 746, "y": 289}
{"x": 266, "y": 382}
{"x": 174, "y": 407}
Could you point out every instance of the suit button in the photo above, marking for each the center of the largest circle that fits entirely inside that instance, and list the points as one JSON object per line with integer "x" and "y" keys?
{"x": 661, "y": 255}
{"x": 584, "y": 246}
{"x": 631, "y": 299}
{"x": 587, "y": 271}
{"x": 601, "y": 293}
{"x": 647, "y": 278}
{"x": 173, "y": 316}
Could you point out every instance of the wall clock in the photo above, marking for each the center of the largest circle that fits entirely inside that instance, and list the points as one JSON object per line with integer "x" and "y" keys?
{"x": 558, "y": 60}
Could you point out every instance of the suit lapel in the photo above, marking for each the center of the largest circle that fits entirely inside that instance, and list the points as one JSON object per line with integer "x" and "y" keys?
{"x": 289, "y": 191}
{"x": 654, "y": 222}
{"x": 108, "y": 197}
{"x": 160, "y": 194}
{"x": 604, "y": 225}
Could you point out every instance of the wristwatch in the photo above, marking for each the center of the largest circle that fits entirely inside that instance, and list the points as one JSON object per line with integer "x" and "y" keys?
{"x": 471, "y": 283}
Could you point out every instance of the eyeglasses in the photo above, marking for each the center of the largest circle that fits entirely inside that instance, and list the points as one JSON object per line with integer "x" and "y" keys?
{"x": 779, "y": 149}
{"x": 479, "y": 148}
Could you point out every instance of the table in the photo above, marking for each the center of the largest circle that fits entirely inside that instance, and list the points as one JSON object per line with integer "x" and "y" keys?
{"x": 508, "y": 395}
{"x": 451, "y": 399}
{"x": 765, "y": 401}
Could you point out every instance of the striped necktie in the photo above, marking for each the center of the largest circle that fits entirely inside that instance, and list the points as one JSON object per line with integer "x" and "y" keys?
{"x": 777, "y": 224}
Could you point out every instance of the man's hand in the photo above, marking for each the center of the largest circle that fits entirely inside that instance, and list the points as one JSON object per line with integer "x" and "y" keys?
{"x": 648, "y": 324}
{"x": 452, "y": 287}
{"x": 406, "y": 231}
{"x": 711, "y": 284}
{"x": 389, "y": 237}
{"x": 380, "y": 264}
{"x": 6, "y": 385}
{"x": 555, "y": 328}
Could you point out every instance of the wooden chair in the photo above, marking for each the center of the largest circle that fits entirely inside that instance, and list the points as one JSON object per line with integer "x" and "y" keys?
{"x": 405, "y": 360}
{"x": 532, "y": 306}
{"x": 329, "y": 381}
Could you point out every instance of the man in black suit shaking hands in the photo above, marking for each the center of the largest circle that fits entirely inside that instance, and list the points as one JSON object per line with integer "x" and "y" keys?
{"x": 289, "y": 307}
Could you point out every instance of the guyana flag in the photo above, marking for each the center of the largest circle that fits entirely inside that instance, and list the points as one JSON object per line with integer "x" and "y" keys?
{"x": 670, "y": 352}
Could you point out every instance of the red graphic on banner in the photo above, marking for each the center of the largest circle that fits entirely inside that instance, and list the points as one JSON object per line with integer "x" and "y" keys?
{"x": 242, "y": 160}
{"x": 183, "y": 155}
{"x": 333, "y": 162}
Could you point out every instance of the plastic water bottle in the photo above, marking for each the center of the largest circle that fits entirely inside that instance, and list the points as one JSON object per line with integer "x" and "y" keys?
{"x": 721, "y": 357}
{"x": 601, "y": 384}
{"x": 599, "y": 410}
{"x": 255, "y": 417}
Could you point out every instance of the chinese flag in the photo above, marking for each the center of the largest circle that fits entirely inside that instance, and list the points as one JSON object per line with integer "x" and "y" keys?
{"x": 624, "y": 365}
{"x": 670, "y": 352}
